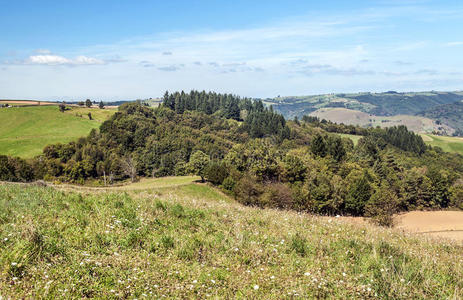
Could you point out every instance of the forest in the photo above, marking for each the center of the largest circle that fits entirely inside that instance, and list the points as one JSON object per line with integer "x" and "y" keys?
{"x": 254, "y": 154}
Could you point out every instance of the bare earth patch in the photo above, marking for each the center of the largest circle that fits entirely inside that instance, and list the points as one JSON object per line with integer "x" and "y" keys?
{"x": 446, "y": 224}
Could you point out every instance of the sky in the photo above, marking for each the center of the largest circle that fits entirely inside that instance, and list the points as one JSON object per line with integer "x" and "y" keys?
{"x": 116, "y": 50}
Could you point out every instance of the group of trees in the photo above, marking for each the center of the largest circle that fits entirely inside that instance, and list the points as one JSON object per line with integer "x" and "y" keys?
{"x": 256, "y": 156}
{"x": 88, "y": 103}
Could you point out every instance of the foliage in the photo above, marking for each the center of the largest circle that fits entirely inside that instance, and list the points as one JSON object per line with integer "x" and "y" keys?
{"x": 258, "y": 157}
{"x": 199, "y": 162}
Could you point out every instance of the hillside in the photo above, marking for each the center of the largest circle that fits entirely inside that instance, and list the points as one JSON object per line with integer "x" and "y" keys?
{"x": 194, "y": 242}
{"x": 355, "y": 117}
{"x": 380, "y": 106}
{"x": 25, "y": 131}
{"x": 446, "y": 143}
{"x": 447, "y": 114}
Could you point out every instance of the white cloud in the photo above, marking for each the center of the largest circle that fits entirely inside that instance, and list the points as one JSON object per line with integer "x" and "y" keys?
{"x": 452, "y": 44}
{"x": 54, "y": 60}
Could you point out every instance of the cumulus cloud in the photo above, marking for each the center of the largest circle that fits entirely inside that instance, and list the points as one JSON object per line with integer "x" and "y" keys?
{"x": 57, "y": 60}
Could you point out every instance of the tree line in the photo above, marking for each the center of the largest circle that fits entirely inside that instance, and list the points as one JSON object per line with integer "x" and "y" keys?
{"x": 257, "y": 157}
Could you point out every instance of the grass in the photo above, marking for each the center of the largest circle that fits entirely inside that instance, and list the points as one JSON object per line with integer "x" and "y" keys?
{"x": 353, "y": 137}
{"x": 449, "y": 144}
{"x": 25, "y": 131}
{"x": 177, "y": 239}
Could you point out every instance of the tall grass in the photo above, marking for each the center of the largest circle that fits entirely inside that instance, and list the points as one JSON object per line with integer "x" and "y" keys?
{"x": 190, "y": 241}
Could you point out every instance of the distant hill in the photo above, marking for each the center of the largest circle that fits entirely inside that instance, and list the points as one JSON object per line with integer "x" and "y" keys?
{"x": 377, "y": 105}
{"x": 447, "y": 114}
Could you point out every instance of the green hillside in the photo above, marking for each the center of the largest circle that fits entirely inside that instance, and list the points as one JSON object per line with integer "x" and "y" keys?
{"x": 25, "y": 131}
{"x": 192, "y": 242}
{"x": 449, "y": 144}
{"x": 381, "y": 104}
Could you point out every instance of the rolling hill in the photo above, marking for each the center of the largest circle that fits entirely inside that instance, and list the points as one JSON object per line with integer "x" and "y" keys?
{"x": 180, "y": 239}
{"x": 410, "y": 107}
{"x": 25, "y": 131}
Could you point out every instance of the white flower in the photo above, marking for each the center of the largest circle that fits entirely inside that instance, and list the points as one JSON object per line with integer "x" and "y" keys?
{"x": 272, "y": 277}
{"x": 307, "y": 274}
{"x": 14, "y": 264}
{"x": 344, "y": 274}
{"x": 256, "y": 287}
{"x": 195, "y": 281}
{"x": 212, "y": 280}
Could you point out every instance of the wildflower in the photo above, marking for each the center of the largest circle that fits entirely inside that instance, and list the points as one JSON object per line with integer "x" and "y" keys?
{"x": 272, "y": 277}
{"x": 212, "y": 280}
{"x": 195, "y": 281}
{"x": 256, "y": 287}
{"x": 402, "y": 280}
{"x": 14, "y": 264}
{"x": 307, "y": 274}
{"x": 344, "y": 274}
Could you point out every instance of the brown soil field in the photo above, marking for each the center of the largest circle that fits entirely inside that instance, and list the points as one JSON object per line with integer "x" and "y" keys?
{"x": 446, "y": 224}
{"x": 28, "y": 102}
{"x": 437, "y": 224}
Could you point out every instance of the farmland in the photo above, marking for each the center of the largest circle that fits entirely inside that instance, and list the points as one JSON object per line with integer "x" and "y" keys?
{"x": 25, "y": 131}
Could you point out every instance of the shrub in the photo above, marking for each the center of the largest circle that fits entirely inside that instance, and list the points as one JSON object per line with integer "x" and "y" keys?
{"x": 382, "y": 206}
{"x": 277, "y": 195}
{"x": 456, "y": 196}
{"x": 229, "y": 183}
{"x": 247, "y": 191}
{"x": 216, "y": 173}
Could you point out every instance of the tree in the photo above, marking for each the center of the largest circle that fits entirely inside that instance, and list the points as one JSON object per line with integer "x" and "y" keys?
{"x": 318, "y": 146}
{"x": 62, "y": 107}
{"x": 336, "y": 148}
{"x": 88, "y": 103}
{"x": 129, "y": 167}
{"x": 101, "y": 105}
{"x": 359, "y": 193}
{"x": 198, "y": 163}
{"x": 382, "y": 206}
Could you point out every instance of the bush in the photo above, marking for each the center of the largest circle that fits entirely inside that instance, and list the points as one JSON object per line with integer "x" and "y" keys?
{"x": 229, "y": 183}
{"x": 382, "y": 206}
{"x": 216, "y": 173}
{"x": 277, "y": 195}
{"x": 456, "y": 196}
{"x": 247, "y": 191}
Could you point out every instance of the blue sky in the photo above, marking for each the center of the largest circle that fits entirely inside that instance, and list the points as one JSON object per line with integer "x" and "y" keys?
{"x": 138, "y": 49}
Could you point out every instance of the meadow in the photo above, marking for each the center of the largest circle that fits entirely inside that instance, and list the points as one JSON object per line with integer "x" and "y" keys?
{"x": 25, "y": 131}
{"x": 447, "y": 143}
{"x": 177, "y": 238}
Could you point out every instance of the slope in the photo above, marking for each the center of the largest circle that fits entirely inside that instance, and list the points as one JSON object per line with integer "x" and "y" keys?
{"x": 193, "y": 242}
{"x": 25, "y": 131}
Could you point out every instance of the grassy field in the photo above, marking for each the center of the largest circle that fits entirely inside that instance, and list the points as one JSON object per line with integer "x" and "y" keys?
{"x": 353, "y": 137}
{"x": 25, "y": 131}
{"x": 449, "y": 144}
{"x": 175, "y": 238}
